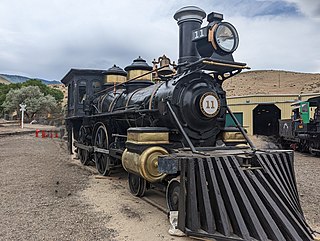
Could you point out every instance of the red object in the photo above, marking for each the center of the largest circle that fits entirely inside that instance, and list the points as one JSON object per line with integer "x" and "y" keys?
{"x": 37, "y": 133}
{"x": 43, "y": 134}
{"x": 51, "y": 134}
{"x": 56, "y": 135}
{"x": 294, "y": 146}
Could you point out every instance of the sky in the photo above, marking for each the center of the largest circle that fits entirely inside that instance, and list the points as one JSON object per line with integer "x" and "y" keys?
{"x": 45, "y": 39}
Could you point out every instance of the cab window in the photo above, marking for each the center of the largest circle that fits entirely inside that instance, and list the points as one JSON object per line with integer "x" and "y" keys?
{"x": 82, "y": 91}
{"x": 96, "y": 86}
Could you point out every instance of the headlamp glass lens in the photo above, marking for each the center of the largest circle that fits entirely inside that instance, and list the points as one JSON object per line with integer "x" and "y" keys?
{"x": 226, "y": 37}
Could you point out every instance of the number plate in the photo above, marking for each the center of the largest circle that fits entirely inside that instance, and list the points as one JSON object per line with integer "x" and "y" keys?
{"x": 210, "y": 104}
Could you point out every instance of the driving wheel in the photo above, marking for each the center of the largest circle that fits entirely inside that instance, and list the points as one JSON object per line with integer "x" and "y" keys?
{"x": 102, "y": 160}
{"x": 84, "y": 155}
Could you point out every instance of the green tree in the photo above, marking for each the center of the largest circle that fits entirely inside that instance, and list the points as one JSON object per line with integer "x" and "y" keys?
{"x": 4, "y": 89}
{"x": 46, "y": 90}
{"x": 36, "y": 101}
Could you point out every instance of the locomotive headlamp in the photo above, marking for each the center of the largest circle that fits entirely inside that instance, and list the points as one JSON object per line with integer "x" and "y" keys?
{"x": 224, "y": 36}
{"x": 217, "y": 40}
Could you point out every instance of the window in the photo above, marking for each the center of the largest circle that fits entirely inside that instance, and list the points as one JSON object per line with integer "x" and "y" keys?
{"x": 305, "y": 107}
{"x": 96, "y": 86}
{"x": 82, "y": 91}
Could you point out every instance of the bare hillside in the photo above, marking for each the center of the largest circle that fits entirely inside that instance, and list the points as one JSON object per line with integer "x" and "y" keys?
{"x": 4, "y": 81}
{"x": 272, "y": 82}
{"x": 63, "y": 89}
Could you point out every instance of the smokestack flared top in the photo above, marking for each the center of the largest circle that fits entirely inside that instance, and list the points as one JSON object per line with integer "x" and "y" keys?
{"x": 189, "y": 13}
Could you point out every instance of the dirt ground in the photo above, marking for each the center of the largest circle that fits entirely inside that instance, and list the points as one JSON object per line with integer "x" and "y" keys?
{"x": 47, "y": 196}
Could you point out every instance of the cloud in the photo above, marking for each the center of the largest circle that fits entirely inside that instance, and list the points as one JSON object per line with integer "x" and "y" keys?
{"x": 310, "y": 8}
{"x": 46, "y": 38}
{"x": 279, "y": 43}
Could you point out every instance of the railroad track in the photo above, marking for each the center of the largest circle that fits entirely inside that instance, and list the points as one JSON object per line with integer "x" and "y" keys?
{"x": 153, "y": 197}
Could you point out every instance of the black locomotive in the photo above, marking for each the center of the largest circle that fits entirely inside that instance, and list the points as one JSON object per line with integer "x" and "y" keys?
{"x": 302, "y": 131}
{"x": 166, "y": 127}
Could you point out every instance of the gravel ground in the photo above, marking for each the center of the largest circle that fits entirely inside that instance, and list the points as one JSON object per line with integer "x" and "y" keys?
{"x": 307, "y": 170}
{"x": 47, "y": 196}
{"x": 39, "y": 192}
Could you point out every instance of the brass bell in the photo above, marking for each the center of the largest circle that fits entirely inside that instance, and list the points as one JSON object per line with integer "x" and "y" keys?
{"x": 164, "y": 68}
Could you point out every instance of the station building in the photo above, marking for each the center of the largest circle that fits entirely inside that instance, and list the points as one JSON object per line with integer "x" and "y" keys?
{"x": 259, "y": 114}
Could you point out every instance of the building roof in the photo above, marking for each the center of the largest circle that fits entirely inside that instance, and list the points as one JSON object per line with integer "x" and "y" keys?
{"x": 271, "y": 95}
{"x": 66, "y": 79}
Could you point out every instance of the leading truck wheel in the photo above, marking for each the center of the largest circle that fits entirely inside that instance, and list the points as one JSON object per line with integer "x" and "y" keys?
{"x": 311, "y": 147}
{"x": 102, "y": 160}
{"x": 172, "y": 194}
{"x": 137, "y": 185}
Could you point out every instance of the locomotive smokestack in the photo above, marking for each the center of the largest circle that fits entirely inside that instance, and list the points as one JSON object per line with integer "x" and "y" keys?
{"x": 188, "y": 18}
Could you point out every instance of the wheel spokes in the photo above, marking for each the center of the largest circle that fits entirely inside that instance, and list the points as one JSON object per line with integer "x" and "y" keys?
{"x": 102, "y": 159}
{"x": 83, "y": 154}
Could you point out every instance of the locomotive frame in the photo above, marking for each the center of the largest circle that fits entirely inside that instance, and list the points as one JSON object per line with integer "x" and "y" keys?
{"x": 172, "y": 133}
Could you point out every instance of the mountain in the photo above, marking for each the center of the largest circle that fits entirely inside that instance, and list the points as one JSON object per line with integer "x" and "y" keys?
{"x": 5, "y": 78}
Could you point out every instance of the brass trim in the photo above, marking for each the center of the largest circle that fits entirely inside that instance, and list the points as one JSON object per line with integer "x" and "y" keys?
{"x": 115, "y": 79}
{"x": 148, "y": 142}
{"x": 145, "y": 74}
{"x": 153, "y": 94}
{"x": 128, "y": 101}
{"x": 149, "y": 138}
{"x": 113, "y": 103}
{"x": 211, "y": 36}
{"x": 224, "y": 64}
{"x": 144, "y": 164}
{"x": 130, "y": 97}
{"x": 229, "y": 137}
{"x": 150, "y": 72}
{"x": 102, "y": 100}
{"x": 150, "y": 165}
{"x": 202, "y": 108}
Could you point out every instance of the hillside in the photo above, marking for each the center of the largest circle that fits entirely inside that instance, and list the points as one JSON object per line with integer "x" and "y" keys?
{"x": 63, "y": 89}
{"x": 272, "y": 82}
{"x": 4, "y": 81}
{"x": 7, "y": 79}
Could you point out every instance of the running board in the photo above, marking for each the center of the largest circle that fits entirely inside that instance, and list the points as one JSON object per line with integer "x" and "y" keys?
{"x": 223, "y": 200}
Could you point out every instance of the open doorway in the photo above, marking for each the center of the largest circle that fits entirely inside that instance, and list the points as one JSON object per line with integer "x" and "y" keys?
{"x": 265, "y": 119}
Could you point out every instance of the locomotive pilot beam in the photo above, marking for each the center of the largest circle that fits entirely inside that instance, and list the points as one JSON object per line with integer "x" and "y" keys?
{"x": 171, "y": 133}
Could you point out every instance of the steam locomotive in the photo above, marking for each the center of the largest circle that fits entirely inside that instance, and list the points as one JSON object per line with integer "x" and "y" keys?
{"x": 302, "y": 131}
{"x": 166, "y": 127}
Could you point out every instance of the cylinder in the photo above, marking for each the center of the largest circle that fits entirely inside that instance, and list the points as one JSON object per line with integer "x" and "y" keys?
{"x": 144, "y": 164}
{"x": 188, "y": 19}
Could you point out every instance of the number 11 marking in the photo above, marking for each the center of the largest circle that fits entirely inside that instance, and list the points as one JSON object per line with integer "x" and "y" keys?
{"x": 208, "y": 104}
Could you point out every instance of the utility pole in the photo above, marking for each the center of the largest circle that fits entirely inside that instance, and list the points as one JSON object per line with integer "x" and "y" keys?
{"x": 22, "y": 109}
